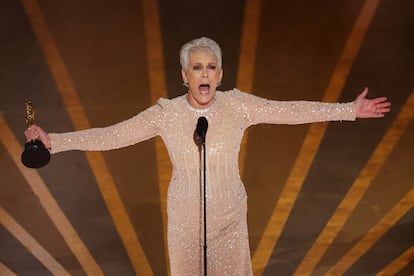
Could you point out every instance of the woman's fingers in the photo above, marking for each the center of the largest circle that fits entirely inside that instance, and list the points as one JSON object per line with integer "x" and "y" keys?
{"x": 31, "y": 133}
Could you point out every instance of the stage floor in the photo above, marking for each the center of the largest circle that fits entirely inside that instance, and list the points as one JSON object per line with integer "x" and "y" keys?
{"x": 325, "y": 198}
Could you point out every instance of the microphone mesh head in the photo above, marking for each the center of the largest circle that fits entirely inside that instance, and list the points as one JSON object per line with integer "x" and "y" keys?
{"x": 201, "y": 128}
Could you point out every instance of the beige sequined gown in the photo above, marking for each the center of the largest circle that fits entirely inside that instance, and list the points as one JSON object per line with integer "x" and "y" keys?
{"x": 175, "y": 120}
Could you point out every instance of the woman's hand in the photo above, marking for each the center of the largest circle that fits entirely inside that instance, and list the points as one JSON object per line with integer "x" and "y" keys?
{"x": 35, "y": 132}
{"x": 371, "y": 108}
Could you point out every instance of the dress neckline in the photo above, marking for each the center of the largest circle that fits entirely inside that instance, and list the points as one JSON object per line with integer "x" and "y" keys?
{"x": 198, "y": 110}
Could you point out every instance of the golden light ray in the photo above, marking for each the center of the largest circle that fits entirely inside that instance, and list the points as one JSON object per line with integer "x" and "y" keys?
{"x": 247, "y": 60}
{"x": 312, "y": 141}
{"x": 389, "y": 220}
{"x": 5, "y": 271}
{"x": 157, "y": 86}
{"x": 399, "y": 263}
{"x": 31, "y": 244}
{"x": 48, "y": 202}
{"x": 358, "y": 188}
{"x": 96, "y": 161}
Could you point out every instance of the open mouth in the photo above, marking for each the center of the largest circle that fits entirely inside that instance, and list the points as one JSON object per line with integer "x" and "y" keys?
{"x": 204, "y": 88}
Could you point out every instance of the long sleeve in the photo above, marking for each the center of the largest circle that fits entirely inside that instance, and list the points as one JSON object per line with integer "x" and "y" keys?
{"x": 258, "y": 110}
{"x": 143, "y": 126}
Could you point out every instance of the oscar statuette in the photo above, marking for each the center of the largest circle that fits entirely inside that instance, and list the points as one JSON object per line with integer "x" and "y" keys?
{"x": 35, "y": 154}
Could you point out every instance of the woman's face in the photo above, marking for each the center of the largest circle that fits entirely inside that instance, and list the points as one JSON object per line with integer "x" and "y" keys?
{"x": 202, "y": 77}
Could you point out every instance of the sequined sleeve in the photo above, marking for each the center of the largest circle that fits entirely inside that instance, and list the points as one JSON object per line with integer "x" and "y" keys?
{"x": 258, "y": 110}
{"x": 143, "y": 126}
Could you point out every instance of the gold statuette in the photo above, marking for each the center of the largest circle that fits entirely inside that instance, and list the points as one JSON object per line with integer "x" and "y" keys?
{"x": 35, "y": 154}
{"x": 30, "y": 114}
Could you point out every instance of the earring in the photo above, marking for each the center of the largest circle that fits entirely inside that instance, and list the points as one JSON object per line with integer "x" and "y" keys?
{"x": 219, "y": 84}
{"x": 185, "y": 84}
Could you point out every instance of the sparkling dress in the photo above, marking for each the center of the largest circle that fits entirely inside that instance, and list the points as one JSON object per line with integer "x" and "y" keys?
{"x": 175, "y": 120}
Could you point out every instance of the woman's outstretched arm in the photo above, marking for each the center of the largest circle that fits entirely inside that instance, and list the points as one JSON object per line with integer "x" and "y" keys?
{"x": 259, "y": 110}
{"x": 141, "y": 127}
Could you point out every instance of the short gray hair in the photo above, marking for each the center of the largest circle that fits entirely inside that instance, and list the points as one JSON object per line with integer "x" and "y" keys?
{"x": 200, "y": 44}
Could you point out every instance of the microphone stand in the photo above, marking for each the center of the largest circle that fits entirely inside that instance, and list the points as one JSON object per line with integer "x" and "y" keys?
{"x": 200, "y": 140}
{"x": 204, "y": 207}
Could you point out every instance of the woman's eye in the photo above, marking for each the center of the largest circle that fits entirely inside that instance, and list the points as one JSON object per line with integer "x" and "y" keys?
{"x": 196, "y": 67}
{"x": 212, "y": 67}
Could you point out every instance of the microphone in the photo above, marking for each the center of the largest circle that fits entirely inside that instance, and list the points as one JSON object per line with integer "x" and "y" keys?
{"x": 201, "y": 130}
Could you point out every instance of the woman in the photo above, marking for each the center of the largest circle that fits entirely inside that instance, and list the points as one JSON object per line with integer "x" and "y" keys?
{"x": 228, "y": 113}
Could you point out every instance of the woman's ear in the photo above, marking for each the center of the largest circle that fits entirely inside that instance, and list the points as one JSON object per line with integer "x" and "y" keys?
{"x": 184, "y": 76}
